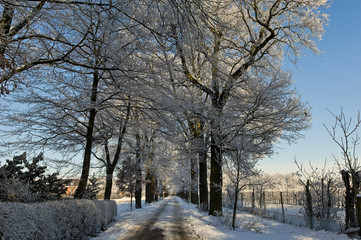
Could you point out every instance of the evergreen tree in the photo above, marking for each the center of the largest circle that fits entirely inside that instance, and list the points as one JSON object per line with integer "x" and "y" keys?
{"x": 19, "y": 175}
{"x": 92, "y": 188}
{"x": 127, "y": 177}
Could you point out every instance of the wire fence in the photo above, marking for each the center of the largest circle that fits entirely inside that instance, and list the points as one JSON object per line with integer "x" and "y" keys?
{"x": 287, "y": 207}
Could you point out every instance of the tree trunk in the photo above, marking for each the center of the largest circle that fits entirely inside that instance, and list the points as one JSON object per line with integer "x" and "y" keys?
{"x": 349, "y": 201}
{"x": 89, "y": 140}
{"x": 253, "y": 199}
{"x": 194, "y": 182}
{"x": 111, "y": 166}
{"x": 215, "y": 204}
{"x": 149, "y": 188}
{"x": 358, "y": 213}
{"x": 138, "y": 183}
{"x": 138, "y": 194}
{"x": 309, "y": 209}
{"x": 264, "y": 202}
{"x": 5, "y": 25}
{"x": 235, "y": 206}
{"x": 165, "y": 193}
{"x": 156, "y": 192}
{"x": 109, "y": 182}
{"x": 203, "y": 185}
{"x": 215, "y": 179}
{"x": 131, "y": 201}
{"x": 355, "y": 190}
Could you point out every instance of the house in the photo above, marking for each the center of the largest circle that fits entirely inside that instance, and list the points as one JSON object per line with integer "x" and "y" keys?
{"x": 74, "y": 182}
{"x": 71, "y": 187}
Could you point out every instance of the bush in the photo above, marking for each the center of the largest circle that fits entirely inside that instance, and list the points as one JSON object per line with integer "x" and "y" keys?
{"x": 15, "y": 190}
{"x": 67, "y": 219}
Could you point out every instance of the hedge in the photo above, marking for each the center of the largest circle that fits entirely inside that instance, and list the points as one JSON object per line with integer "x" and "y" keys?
{"x": 67, "y": 219}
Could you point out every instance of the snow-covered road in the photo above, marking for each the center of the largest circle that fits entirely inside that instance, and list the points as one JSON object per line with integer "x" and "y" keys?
{"x": 165, "y": 223}
{"x": 159, "y": 220}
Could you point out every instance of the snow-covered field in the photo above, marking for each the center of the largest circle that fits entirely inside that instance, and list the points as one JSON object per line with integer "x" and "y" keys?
{"x": 209, "y": 227}
{"x": 293, "y": 216}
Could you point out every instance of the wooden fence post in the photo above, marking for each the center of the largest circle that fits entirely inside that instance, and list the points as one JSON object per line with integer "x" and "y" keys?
{"x": 283, "y": 209}
{"x": 264, "y": 202}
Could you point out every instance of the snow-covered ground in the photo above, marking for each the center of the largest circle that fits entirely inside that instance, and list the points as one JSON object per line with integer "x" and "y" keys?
{"x": 293, "y": 215}
{"x": 249, "y": 227}
{"x": 127, "y": 219}
{"x": 289, "y": 209}
{"x": 209, "y": 227}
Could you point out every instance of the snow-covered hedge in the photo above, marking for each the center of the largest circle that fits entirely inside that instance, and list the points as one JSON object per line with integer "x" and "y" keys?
{"x": 67, "y": 219}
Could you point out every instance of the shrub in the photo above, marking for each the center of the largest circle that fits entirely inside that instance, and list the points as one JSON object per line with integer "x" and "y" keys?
{"x": 15, "y": 190}
{"x": 67, "y": 219}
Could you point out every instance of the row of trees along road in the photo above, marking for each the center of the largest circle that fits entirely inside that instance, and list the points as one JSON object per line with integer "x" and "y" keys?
{"x": 203, "y": 75}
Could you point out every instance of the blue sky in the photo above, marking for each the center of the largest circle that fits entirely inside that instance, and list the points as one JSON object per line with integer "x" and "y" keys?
{"x": 330, "y": 80}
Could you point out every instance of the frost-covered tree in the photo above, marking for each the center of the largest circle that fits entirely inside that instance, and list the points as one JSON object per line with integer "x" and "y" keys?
{"x": 34, "y": 34}
{"x": 196, "y": 58}
{"x": 25, "y": 181}
{"x": 266, "y": 111}
{"x": 216, "y": 44}
{"x": 67, "y": 99}
{"x": 112, "y": 138}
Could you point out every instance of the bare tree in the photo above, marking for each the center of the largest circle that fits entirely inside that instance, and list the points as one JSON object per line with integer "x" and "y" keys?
{"x": 345, "y": 134}
{"x": 239, "y": 168}
{"x": 320, "y": 195}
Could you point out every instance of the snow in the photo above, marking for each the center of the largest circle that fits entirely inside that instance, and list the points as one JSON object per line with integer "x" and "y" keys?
{"x": 289, "y": 209}
{"x": 127, "y": 219}
{"x": 203, "y": 226}
{"x": 249, "y": 227}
